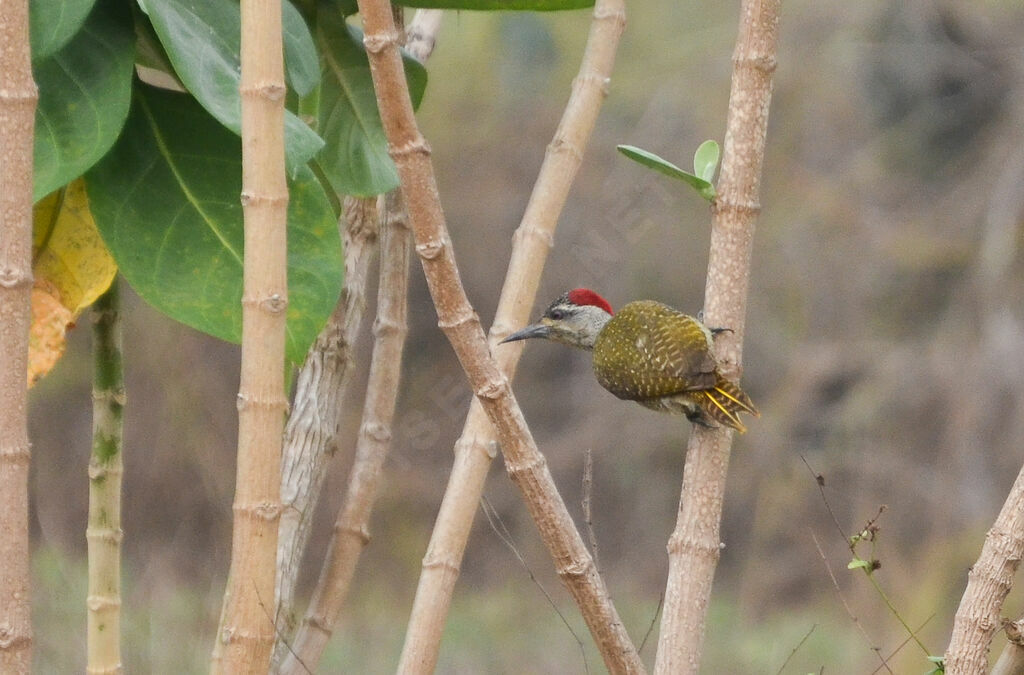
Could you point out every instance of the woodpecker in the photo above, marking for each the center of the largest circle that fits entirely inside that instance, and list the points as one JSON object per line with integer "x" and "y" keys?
{"x": 648, "y": 353}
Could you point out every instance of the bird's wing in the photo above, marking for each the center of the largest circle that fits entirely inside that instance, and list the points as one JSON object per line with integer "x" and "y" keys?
{"x": 649, "y": 350}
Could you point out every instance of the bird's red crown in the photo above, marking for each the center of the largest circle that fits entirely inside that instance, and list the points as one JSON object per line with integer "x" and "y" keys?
{"x": 585, "y": 296}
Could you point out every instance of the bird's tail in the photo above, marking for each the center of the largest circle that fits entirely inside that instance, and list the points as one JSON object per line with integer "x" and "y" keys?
{"x": 724, "y": 402}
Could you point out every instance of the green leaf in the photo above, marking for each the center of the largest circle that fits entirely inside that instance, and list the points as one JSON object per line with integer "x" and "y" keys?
{"x": 524, "y": 5}
{"x": 662, "y": 166}
{"x": 355, "y": 158}
{"x": 301, "y": 62}
{"x": 53, "y": 22}
{"x": 858, "y": 563}
{"x": 705, "y": 160}
{"x": 166, "y": 201}
{"x": 84, "y": 93}
{"x": 202, "y": 39}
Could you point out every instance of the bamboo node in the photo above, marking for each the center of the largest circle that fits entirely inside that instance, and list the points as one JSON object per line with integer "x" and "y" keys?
{"x": 272, "y": 91}
{"x": 320, "y": 623}
{"x": 15, "y": 454}
{"x": 361, "y": 532}
{"x": 10, "y": 637}
{"x": 108, "y": 534}
{"x": 267, "y": 511}
{"x": 441, "y": 562}
{"x": 382, "y": 327}
{"x": 493, "y": 389}
{"x": 96, "y": 603}
{"x": 430, "y": 249}
{"x": 461, "y": 318}
{"x": 544, "y": 235}
{"x": 417, "y": 145}
{"x": 600, "y": 81}
{"x": 575, "y": 569}
{"x": 534, "y": 464}
{"x": 615, "y": 15}
{"x": 11, "y": 277}
{"x": 561, "y": 145}
{"x": 377, "y": 42}
{"x": 245, "y": 401}
{"x": 110, "y": 396}
{"x": 677, "y": 544}
{"x": 377, "y": 431}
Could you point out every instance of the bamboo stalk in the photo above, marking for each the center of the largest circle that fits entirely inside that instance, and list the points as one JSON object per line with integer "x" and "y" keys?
{"x": 526, "y": 465}
{"x": 310, "y": 436}
{"x": 694, "y": 546}
{"x": 531, "y": 243}
{"x": 351, "y": 527}
{"x": 18, "y": 97}
{"x": 311, "y": 432}
{"x": 248, "y": 630}
{"x": 103, "y": 533}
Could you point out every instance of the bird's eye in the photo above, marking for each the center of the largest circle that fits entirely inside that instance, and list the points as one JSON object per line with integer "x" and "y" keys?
{"x": 556, "y": 314}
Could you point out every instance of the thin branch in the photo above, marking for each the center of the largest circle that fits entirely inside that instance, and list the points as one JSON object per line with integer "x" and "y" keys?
{"x": 106, "y": 467}
{"x": 694, "y": 546}
{"x": 351, "y": 528}
{"x": 461, "y": 325}
{"x": 532, "y": 241}
{"x": 796, "y": 649}
{"x": 654, "y": 621}
{"x": 18, "y": 97}
{"x": 499, "y": 528}
{"x": 248, "y": 630}
{"x": 988, "y": 583}
{"x": 903, "y": 644}
{"x": 849, "y": 612}
{"x": 310, "y": 436}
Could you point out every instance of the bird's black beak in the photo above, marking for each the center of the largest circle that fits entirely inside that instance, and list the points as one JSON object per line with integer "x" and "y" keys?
{"x": 537, "y": 330}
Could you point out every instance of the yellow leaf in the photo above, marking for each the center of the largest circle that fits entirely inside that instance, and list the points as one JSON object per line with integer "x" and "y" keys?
{"x": 72, "y": 268}
{"x": 67, "y": 251}
{"x": 50, "y": 321}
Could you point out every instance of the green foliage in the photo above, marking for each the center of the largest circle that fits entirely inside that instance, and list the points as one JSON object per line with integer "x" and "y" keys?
{"x": 940, "y": 665}
{"x": 202, "y": 40}
{"x": 52, "y": 24}
{"x": 84, "y": 93}
{"x": 165, "y": 200}
{"x": 166, "y": 197}
{"x": 506, "y": 5}
{"x": 355, "y": 158}
{"x": 705, "y": 161}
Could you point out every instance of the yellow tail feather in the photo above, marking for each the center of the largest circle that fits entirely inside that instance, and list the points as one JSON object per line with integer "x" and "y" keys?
{"x": 724, "y": 402}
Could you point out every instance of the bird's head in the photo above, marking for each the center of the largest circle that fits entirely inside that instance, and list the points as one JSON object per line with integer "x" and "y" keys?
{"x": 575, "y": 319}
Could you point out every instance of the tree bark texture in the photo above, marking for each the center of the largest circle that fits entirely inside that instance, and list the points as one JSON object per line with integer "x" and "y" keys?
{"x": 18, "y": 97}
{"x": 248, "y": 630}
{"x": 694, "y": 546}
{"x": 988, "y": 583}
{"x": 311, "y": 434}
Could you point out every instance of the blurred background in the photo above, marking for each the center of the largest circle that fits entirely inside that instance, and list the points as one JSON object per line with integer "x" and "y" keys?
{"x": 884, "y": 346}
